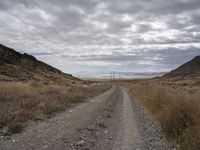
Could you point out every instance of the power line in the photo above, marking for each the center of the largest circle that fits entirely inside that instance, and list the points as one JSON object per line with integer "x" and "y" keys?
{"x": 6, "y": 24}
{"x": 12, "y": 28}
{"x": 24, "y": 22}
{"x": 43, "y": 20}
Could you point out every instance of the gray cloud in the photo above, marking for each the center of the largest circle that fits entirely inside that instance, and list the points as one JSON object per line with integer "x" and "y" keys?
{"x": 86, "y": 35}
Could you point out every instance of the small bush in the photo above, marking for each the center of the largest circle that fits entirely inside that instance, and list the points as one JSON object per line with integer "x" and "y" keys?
{"x": 175, "y": 126}
{"x": 102, "y": 125}
{"x": 15, "y": 127}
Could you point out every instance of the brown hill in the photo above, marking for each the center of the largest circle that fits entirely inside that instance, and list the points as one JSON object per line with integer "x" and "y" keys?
{"x": 189, "y": 69}
{"x": 15, "y": 66}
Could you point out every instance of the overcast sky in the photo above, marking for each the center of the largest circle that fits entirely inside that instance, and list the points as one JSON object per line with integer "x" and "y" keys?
{"x": 103, "y": 35}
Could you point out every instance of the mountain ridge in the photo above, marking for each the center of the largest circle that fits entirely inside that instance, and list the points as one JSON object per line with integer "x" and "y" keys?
{"x": 15, "y": 66}
{"x": 190, "y": 68}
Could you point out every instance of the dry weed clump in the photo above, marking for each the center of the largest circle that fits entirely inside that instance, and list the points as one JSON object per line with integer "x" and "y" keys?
{"x": 177, "y": 111}
{"x": 23, "y": 101}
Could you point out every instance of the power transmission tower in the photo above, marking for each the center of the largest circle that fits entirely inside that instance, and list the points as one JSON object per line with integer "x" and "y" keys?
{"x": 112, "y": 76}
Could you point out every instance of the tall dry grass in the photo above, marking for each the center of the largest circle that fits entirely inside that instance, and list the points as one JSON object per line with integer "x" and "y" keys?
{"x": 177, "y": 112}
{"x": 20, "y": 102}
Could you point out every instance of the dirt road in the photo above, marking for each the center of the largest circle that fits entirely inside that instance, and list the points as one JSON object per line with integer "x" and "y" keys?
{"x": 112, "y": 120}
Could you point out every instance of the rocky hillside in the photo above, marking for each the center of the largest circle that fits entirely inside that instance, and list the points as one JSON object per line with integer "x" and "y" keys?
{"x": 15, "y": 66}
{"x": 189, "y": 69}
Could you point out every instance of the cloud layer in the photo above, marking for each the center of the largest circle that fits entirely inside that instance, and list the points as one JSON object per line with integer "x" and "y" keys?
{"x": 103, "y": 35}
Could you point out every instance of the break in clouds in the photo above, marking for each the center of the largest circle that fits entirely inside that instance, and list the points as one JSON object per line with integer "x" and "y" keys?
{"x": 103, "y": 35}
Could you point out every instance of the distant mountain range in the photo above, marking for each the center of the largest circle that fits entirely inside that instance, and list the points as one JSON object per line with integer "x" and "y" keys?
{"x": 189, "y": 69}
{"x": 119, "y": 75}
{"x": 15, "y": 66}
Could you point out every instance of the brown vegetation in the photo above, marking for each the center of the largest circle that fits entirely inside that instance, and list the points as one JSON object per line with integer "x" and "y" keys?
{"x": 175, "y": 104}
{"x": 35, "y": 101}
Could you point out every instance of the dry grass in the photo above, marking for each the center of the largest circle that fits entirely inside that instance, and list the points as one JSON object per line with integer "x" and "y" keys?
{"x": 25, "y": 101}
{"x": 175, "y": 107}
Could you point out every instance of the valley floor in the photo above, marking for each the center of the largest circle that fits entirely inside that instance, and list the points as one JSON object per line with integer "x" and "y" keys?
{"x": 111, "y": 120}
